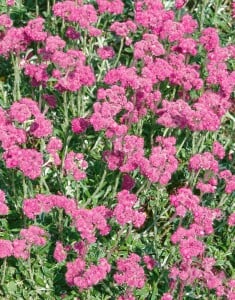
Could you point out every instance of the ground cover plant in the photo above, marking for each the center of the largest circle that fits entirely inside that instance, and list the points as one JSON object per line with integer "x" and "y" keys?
{"x": 117, "y": 143}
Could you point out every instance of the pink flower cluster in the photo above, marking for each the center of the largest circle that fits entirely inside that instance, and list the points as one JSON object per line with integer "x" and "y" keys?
{"x": 83, "y": 14}
{"x": 129, "y": 272}
{"x": 3, "y": 207}
{"x": 75, "y": 165}
{"x": 204, "y": 161}
{"x": 83, "y": 278}
{"x": 60, "y": 253}
{"x": 203, "y": 272}
{"x": 34, "y": 235}
{"x": 13, "y": 133}
{"x": 207, "y": 185}
{"x": 29, "y": 161}
{"x": 86, "y": 221}
{"x": 218, "y": 150}
{"x": 17, "y": 40}
{"x": 106, "y": 52}
{"x": 79, "y": 125}
{"x": 128, "y": 155}
{"x": 20, "y": 248}
{"x": 114, "y": 7}
{"x": 69, "y": 69}
{"x": 52, "y": 147}
{"x": 162, "y": 162}
{"x": 5, "y": 21}
{"x": 206, "y": 113}
{"x": 148, "y": 45}
{"x": 185, "y": 201}
{"x": 191, "y": 245}
{"x": 229, "y": 179}
{"x": 123, "y": 29}
{"x": 124, "y": 212}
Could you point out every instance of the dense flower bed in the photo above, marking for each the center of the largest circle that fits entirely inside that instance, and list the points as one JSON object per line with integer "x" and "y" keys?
{"x": 117, "y": 150}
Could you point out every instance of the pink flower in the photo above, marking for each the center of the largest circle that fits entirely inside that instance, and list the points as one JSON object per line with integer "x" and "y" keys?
{"x": 218, "y": 150}
{"x": 51, "y": 100}
{"x": 231, "y": 220}
{"x": 167, "y": 296}
{"x": 34, "y": 235}
{"x": 129, "y": 272}
{"x": 105, "y": 52}
{"x": 34, "y": 30}
{"x": 114, "y": 7}
{"x": 191, "y": 248}
{"x": 123, "y": 211}
{"x": 180, "y": 3}
{"x": 150, "y": 262}
{"x": 80, "y": 125}
{"x": 204, "y": 161}
{"x": 10, "y": 2}
{"x": 54, "y": 144}
{"x": 20, "y": 249}
{"x": 72, "y": 34}
{"x": 41, "y": 127}
{"x": 84, "y": 278}
{"x": 209, "y": 38}
{"x": 123, "y": 28}
{"x": 59, "y": 252}
{"x": 3, "y": 207}
{"x": 5, "y": 21}
{"x": 6, "y": 248}
{"x": 20, "y": 112}
{"x": 30, "y": 163}
{"x": 127, "y": 182}
{"x": 75, "y": 164}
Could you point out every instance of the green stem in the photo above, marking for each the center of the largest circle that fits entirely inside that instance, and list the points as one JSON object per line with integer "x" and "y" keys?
{"x": 37, "y": 8}
{"x": 101, "y": 183}
{"x": 64, "y": 155}
{"x": 99, "y": 187}
{"x": 4, "y": 271}
{"x": 202, "y": 16}
{"x": 119, "y": 52}
{"x": 119, "y": 234}
{"x": 16, "y": 89}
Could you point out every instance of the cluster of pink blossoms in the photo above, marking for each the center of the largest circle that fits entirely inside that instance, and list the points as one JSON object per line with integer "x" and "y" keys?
{"x": 13, "y": 133}
{"x": 3, "y": 207}
{"x": 105, "y": 52}
{"x": 206, "y": 161}
{"x": 52, "y": 147}
{"x": 191, "y": 246}
{"x": 161, "y": 56}
{"x": 129, "y": 272}
{"x": 83, "y": 278}
{"x": 69, "y": 69}
{"x": 86, "y": 221}
{"x": 128, "y": 155}
{"x": 124, "y": 212}
{"x": 20, "y": 248}
{"x": 75, "y": 164}
{"x": 79, "y": 125}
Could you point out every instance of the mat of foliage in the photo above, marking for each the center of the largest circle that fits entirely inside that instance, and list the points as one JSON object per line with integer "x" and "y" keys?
{"x": 117, "y": 141}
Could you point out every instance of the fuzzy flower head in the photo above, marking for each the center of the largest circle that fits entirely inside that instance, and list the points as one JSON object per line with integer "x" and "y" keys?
{"x": 106, "y": 52}
{"x": 59, "y": 253}
{"x": 34, "y": 235}
{"x": 6, "y": 248}
{"x": 129, "y": 272}
{"x": 79, "y": 125}
{"x": 75, "y": 164}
